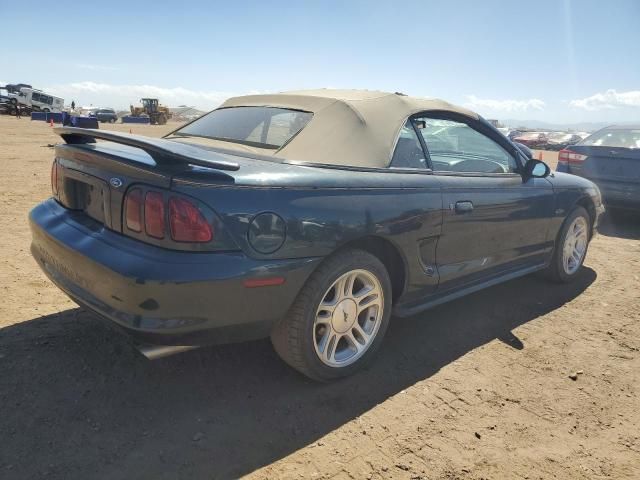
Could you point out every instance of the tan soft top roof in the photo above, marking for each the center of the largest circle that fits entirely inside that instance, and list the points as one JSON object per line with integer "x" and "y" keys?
{"x": 349, "y": 127}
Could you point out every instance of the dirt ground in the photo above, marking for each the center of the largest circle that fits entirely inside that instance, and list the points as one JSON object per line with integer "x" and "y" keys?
{"x": 478, "y": 388}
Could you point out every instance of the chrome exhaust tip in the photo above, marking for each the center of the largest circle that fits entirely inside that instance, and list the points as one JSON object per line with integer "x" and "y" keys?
{"x": 154, "y": 352}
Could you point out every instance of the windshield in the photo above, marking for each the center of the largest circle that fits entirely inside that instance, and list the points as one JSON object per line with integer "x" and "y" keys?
{"x": 619, "y": 137}
{"x": 264, "y": 127}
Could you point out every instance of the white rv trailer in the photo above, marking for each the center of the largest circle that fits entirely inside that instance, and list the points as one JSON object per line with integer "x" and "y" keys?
{"x": 37, "y": 99}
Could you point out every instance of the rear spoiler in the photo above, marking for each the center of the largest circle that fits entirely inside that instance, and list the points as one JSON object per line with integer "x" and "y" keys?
{"x": 163, "y": 152}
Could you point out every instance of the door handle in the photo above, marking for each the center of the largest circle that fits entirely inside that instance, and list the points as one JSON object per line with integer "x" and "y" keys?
{"x": 464, "y": 207}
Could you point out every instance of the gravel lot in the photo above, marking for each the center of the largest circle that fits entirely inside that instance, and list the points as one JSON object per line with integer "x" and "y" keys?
{"x": 479, "y": 388}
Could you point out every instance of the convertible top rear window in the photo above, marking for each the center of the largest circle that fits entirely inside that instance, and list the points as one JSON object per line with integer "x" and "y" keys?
{"x": 264, "y": 127}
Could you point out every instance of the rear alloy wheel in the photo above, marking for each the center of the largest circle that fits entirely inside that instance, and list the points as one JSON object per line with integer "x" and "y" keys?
{"x": 348, "y": 318}
{"x": 571, "y": 247}
{"x": 339, "y": 318}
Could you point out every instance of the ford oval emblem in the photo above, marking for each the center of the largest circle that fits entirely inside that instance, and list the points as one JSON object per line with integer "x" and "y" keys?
{"x": 115, "y": 182}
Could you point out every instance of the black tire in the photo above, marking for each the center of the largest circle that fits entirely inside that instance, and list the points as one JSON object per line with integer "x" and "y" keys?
{"x": 293, "y": 336}
{"x": 556, "y": 271}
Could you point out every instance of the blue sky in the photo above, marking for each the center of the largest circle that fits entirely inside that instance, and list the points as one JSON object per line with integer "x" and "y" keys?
{"x": 559, "y": 61}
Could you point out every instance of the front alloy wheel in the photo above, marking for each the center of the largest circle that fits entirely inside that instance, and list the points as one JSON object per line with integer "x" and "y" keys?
{"x": 575, "y": 245}
{"x": 571, "y": 247}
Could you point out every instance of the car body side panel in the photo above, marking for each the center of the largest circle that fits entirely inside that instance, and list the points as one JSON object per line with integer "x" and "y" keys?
{"x": 320, "y": 221}
{"x": 507, "y": 228}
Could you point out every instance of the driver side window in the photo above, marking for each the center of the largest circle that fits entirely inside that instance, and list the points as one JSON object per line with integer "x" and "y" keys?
{"x": 456, "y": 147}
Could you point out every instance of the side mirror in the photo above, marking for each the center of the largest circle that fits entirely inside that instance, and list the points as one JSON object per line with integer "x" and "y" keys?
{"x": 536, "y": 169}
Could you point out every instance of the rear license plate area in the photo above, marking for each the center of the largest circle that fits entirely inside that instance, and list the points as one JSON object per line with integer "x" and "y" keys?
{"x": 84, "y": 193}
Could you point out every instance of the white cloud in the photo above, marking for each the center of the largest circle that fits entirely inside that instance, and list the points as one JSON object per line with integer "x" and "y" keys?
{"x": 608, "y": 100}
{"x": 121, "y": 96}
{"x": 476, "y": 103}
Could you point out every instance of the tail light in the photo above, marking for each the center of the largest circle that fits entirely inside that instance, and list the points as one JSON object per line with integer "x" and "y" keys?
{"x": 145, "y": 214}
{"x": 133, "y": 210}
{"x": 567, "y": 157}
{"x": 154, "y": 214}
{"x": 54, "y": 177}
{"x": 187, "y": 223}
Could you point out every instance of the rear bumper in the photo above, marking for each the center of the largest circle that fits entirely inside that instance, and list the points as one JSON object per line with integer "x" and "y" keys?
{"x": 161, "y": 296}
{"x": 614, "y": 194}
{"x": 620, "y": 195}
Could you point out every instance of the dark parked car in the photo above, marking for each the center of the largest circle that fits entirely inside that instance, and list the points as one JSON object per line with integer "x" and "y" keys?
{"x": 105, "y": 115}
{"x": 611, "y": 158}
{"x": 308, "y": 216}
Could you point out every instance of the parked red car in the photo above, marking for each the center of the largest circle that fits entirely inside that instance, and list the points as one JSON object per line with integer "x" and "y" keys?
{"x": 532, "y": 139}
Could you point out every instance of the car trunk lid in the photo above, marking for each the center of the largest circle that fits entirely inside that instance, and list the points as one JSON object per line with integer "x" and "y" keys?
{"x": 93, "y": 177}
{"x": 609, "y": 164}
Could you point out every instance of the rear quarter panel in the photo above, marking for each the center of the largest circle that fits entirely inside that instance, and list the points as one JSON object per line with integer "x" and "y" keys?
{"x": 320, "y": 220}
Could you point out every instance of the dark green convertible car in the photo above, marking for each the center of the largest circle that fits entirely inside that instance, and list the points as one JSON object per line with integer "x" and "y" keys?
{"x": 311, "y": 217}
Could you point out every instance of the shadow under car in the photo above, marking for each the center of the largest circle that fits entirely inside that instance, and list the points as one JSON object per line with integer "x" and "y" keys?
{"x": 79, "y": 402}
